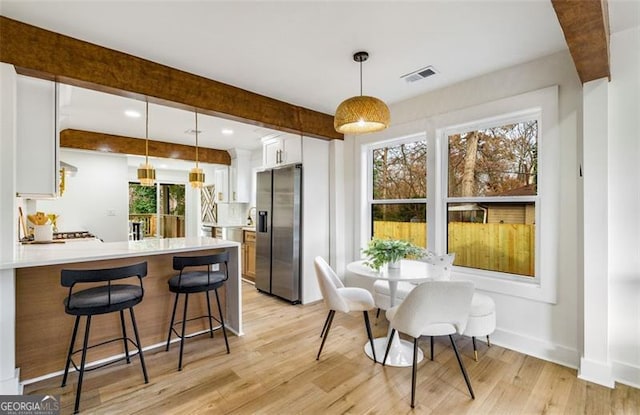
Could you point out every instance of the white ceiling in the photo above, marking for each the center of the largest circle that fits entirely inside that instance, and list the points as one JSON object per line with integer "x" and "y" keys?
{"x": 298, "y": 51}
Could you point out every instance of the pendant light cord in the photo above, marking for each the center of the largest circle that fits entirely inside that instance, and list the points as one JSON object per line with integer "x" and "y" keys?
{"x": 360, "y": 78}
{"x": 196, "y": 139}
{"x": 146, "y": 134}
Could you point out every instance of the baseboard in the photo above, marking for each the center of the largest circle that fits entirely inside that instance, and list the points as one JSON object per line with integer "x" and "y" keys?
{"x": 626, "y": 373}
{"x": 596, "y": 372}
{"x": 12, "y": 385}
{"x": 531, "y": 346}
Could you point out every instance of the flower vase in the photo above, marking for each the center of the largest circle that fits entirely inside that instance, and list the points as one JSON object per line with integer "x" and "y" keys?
{"x": 394, "y": 264}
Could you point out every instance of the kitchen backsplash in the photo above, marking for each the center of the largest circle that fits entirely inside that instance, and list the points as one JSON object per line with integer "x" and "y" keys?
{"x": 232, "y": 213}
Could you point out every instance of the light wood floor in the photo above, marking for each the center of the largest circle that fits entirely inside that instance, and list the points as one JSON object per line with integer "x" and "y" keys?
{"x": 272, "y": 370}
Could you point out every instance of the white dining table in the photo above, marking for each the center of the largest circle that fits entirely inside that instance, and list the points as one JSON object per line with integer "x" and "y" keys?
{"x": 401, "y": 351}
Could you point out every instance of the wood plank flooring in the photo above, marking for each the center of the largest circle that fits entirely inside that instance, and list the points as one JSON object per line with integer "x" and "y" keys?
{"x": 272, "y": 370}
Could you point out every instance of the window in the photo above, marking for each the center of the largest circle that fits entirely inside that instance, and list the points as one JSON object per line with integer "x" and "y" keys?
{"x": 492, "y": 187}
{"x": 398, "y": 191}
{"x": 492, "y": 194}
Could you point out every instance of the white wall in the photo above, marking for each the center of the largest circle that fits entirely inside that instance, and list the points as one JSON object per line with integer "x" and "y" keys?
{"x": 541, "y": 329}
{"x": 624, "y": 202}
{"x": 96, "y": 198}
{"x": 315, "y": 212}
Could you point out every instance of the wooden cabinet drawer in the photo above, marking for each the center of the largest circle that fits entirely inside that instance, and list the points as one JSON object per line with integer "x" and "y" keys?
{"x": 249, "y": 236}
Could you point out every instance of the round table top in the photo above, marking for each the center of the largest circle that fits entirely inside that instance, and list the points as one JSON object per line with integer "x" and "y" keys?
{"x": 410, "y": 270}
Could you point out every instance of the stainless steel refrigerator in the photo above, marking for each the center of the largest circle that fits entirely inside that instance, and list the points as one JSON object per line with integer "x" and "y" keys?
{"x": 278, "y": 204}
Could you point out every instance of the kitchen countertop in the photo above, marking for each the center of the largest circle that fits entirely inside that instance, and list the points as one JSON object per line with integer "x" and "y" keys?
{"x": 249, "y": 228}
{"x": 59, "y": 253}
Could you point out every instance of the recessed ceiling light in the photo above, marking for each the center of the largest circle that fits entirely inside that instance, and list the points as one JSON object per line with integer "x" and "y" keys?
{"x": 227, "y": 131}
{"x": 132, "y": 114}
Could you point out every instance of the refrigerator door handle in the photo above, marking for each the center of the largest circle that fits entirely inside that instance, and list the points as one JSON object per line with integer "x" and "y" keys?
{"x": 262, "y": 221}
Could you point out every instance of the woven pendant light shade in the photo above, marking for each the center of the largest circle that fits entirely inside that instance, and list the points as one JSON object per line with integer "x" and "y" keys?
{"x": 361, "y": 114}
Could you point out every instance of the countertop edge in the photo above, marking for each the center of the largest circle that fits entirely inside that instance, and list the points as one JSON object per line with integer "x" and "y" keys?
{"x": 106, "y": 251}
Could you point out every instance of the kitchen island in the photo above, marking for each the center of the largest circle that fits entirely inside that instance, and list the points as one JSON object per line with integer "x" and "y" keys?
{"x": 43, "y": 330}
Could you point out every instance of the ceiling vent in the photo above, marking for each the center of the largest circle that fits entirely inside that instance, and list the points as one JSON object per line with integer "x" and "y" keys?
{"x": 420, "y": 74}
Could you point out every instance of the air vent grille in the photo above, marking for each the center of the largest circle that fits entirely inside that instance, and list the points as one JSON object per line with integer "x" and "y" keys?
{"x": 420, "y": 74}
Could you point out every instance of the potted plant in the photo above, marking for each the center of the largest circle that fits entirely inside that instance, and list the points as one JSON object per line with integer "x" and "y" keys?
{"x": 391, "y": 251}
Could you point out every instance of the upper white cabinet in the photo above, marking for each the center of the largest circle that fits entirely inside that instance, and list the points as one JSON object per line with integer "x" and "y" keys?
{"x": 281, "y": 150}
{"x": 37, "y": 165}
{"x": 222, "y": 184}
{"x": 240, "y": 176}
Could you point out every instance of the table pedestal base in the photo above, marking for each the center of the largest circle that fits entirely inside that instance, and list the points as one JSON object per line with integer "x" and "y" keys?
{"x": 400, "y": 354}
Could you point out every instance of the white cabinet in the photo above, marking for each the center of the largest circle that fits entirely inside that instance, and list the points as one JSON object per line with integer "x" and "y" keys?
{"x": 240, "y": 177}
{"x": 221, "y": 180}
{"x": 37, "y": 165}
{"x": 278, "y": 151}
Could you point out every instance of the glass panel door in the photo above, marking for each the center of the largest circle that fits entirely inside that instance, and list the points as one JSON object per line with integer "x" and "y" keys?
{"x": 171, "y": 203}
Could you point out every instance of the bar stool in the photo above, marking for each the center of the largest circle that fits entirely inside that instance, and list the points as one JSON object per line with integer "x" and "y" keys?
{"x": 102, "y": 299}
{"x": 195, "y": 282}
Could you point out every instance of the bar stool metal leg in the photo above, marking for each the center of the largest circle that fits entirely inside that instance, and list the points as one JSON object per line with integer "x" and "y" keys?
{"x": 184, "y": 324}
{"x": 124, "y": 337}
{"x": 224, "y": 330}
{"x": 209, "y": 315}
{"x": 73, "y": 342}
{"x": 138, "y": 345}
{"x": 82, "y": 363}
{"x": 173, "y": 318}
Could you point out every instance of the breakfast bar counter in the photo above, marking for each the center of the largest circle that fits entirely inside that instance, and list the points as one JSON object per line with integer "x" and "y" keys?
{"x": 43, "y": 330}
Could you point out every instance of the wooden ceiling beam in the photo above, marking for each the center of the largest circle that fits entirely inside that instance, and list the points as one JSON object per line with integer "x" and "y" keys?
{"x": 107, "y": 143}
{"x": 45, "y": 54}
{"x": 585, "y": 24}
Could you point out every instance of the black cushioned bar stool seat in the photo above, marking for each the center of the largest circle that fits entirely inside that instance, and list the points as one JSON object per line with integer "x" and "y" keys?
{"x": 190, "y": 282}
{"x": 102, "y": 299}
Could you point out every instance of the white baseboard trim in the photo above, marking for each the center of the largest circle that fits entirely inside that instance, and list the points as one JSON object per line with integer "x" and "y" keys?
{"x": 596, "y": 372}
{"x": 532, "y": 346}
{"x": 626, "y": 373}
{"x": 11, "y": 386}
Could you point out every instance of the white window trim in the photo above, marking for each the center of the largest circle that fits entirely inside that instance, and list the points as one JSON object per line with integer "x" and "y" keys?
{"x": 545, "y": 102}
{"x": 366, "y": 151}
{"x": 443, "y": 135}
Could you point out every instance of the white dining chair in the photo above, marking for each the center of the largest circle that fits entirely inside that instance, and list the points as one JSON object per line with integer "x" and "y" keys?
{"x": 433, "y": 308}
{"x": 337, "y": 297}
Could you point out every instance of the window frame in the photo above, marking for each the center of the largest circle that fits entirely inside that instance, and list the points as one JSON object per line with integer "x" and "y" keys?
{"x": 533, "y": 114}
{"x": 370, "y": 201}
{"x": 543, "y": 287}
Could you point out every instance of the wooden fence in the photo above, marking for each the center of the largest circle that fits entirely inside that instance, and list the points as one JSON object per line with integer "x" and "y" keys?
{"x": 491, "y": 246}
